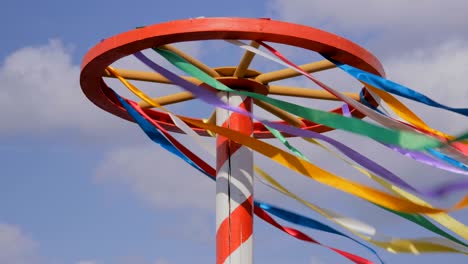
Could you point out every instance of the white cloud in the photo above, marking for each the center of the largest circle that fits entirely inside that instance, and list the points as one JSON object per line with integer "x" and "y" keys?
{"x": 16, "y": 247}
{"x": 158, "y": 177}
{"x": 368, "y": 14}
{"x": 86, "y": 262}
{"x": 440, "y": 73}
{"x": 41, "y": 93}
{"x": 140, "y": 260}
{"x": 161, "y": 261}
{"x": 314, "y": 260}
{"x": 392, "y": 24}
{"x": 193, "y": 226}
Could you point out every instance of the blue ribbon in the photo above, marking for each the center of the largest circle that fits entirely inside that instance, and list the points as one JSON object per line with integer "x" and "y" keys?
{"x": 158, "y": 137}
{"x": 307, "y": 222}
{"x": 433, "y": 152}
{"x": 155, "y": 135}
{"x": 393, "y": 87}
{"x": 447, "y": 159}
{"x": 364, "y": 101}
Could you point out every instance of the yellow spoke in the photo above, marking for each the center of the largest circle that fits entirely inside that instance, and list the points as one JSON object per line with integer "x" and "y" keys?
{"x": 291, "y": 119}
{"x": 147, "y": 76}
{"x": 289, "y": 73}
{"x": 169, "y": 99}
{"x": 307, "y": 93}
{"x": 208, "y": 70}
{"x": 245, "y": 61}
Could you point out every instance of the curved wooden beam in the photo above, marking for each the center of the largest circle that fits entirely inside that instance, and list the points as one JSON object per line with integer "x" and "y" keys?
{"x": 289, "y": 73}
{"x": 146, "y": 76}
{"x": 208, "y": 70}
{"x": 168, "y": 99}
{"x": 290, "y": 118}
{"x": 307, "y": 93}
{"x": 245, "y": 61}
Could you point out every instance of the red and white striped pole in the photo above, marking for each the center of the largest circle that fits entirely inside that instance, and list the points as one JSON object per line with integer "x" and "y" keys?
{"x": 234, "y": 187}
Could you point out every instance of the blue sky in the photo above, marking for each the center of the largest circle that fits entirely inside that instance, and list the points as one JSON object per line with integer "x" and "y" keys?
{"x": 79, "y": 186}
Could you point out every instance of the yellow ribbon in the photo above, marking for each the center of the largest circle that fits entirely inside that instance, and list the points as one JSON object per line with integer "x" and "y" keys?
{"x": 404, "y": 112}
{"x": 394, "y": 245}
{"x": 304, "y": 167}
{"x": 442, "y": 218}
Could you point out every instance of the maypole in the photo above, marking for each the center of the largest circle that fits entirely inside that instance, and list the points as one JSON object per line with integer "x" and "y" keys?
{"x": 234, "y": 91}
{"x": 234, "y": 186}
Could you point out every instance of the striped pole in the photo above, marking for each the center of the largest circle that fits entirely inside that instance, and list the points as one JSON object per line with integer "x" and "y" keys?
{"x": 234, "y": 187}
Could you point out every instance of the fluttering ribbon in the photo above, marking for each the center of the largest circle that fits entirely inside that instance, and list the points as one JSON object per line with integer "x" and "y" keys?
{"x": 373, "y": 115}
{"x": 369, "y": 233}
{"x": 443, "y": 219}
{"x": 288, "y": 216}
{"x": 429, "y": 245}
{"x": 401, "y": 110}
{"x": 195, "y": 72}
{"x": 389, "y": 243}
{"x": 397, "y": 106}
{"x": 288, "y": 160}
{"x": 405, "y": 139}
{"x": 163, "y": 138}
{"x": 424, "y": 158}
{"x": 306, "y": 222}
{"x": 280, "y": 59}
{"x": 392, "y": 87}
{"x": 404, "y": 112}
{"x": 416, "y": 155}
{"x": 448, "y": 159}
{"x": 400, "y": 243}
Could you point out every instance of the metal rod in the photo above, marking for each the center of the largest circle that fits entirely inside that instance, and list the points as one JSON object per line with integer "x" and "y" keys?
{"x": 289, "y": 73}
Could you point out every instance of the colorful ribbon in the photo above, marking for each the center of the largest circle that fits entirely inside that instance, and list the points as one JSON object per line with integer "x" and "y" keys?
{"x": 402, "y": 138}
{"x": 287, "y": 159}
{"x": 423, "y": 158}
{"x": 404, "y": 112}
{"x": 369, "y": 233}
{"x": 195, "y": 72}
{"x": 438, "y": 246}
{"x": 160, "y": 136}
{"x": 392, "y": 87}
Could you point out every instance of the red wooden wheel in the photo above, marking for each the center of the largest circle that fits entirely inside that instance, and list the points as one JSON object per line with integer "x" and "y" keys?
{"x": 111, "y": 49}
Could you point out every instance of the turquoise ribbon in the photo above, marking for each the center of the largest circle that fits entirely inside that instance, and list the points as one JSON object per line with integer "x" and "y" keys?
{"x": 447, "y": 159}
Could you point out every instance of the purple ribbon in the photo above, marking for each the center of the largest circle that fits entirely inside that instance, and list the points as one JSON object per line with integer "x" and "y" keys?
{"x": 211, "y": 98}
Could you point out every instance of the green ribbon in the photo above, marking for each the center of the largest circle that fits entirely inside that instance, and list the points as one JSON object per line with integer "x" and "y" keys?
{"x": 402, "y": 138}
{"x": 405, "y": 139}
{"x": 424, "y": 222}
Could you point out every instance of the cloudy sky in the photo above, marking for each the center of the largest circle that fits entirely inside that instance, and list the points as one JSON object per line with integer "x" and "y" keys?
{"x": 79, "y": 186}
